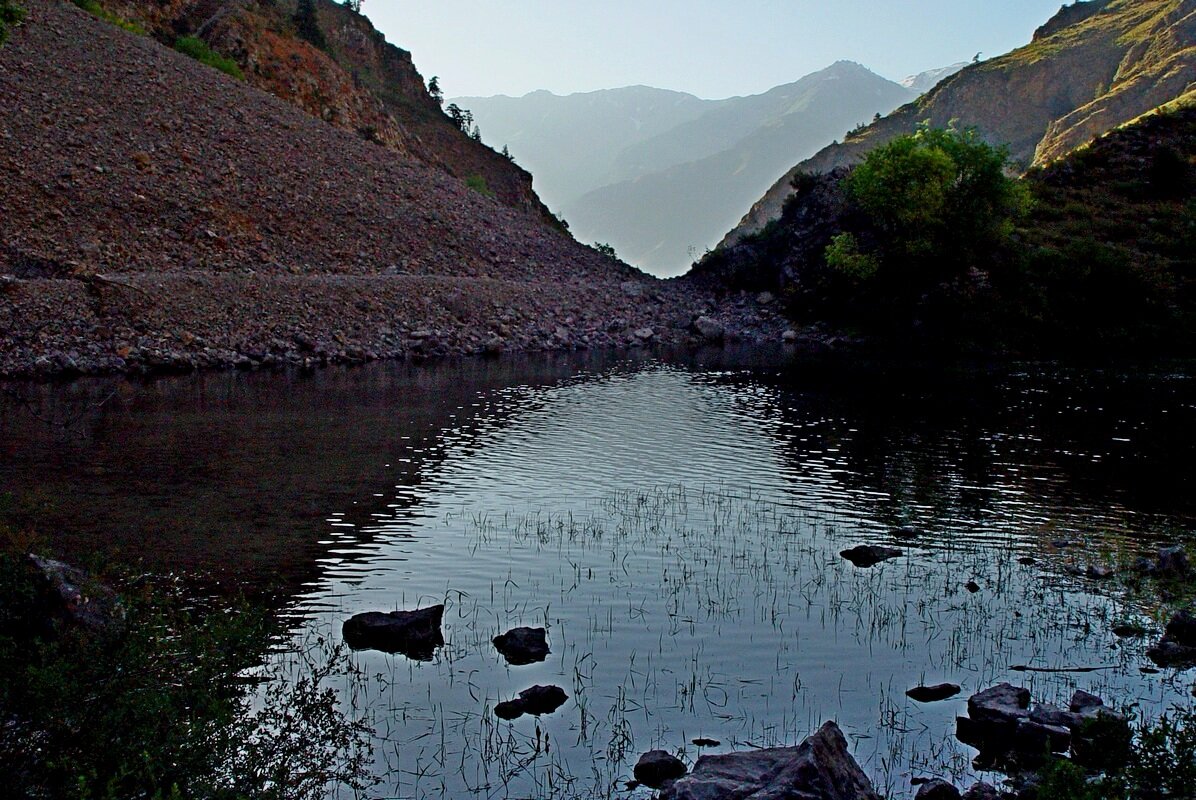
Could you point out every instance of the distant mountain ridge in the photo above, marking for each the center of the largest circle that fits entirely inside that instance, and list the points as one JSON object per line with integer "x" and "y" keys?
{"x": 570, "y": 143}
{"x": 663, "y": 220}
{"x": 660, "y": 175}
{"x": 1092, "y": 67}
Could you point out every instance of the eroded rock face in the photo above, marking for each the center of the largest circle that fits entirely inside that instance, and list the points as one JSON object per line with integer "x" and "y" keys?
{"x": 520, "y": 646}
{"x": 415, "y": 634}
{"x": 820, "y": 767}
{"x": 868, "y": 555}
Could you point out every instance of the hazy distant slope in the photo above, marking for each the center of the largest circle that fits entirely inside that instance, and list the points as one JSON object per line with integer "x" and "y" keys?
{"x": 662, "y": 220}
{"x": 1093, "y": 66}
{"x": 570, "y": 143}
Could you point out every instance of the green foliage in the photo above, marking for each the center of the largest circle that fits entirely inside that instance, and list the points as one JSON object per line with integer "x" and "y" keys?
{"x": 159, "y": 707}
{"x": 605, "y": 249}
{"x": 1163, "y": 764}
{"x": 96, "y": 10}
{"x": 199, "y": 50}
{"x": 938, "y": 196}
{"x": 478, "y": 184}
{"x": 11, "y": 15}
{"x": 307, "y": 24}
{"x": 844, "y": 256}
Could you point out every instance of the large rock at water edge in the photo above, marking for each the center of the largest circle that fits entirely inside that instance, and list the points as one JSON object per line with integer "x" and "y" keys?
{"x": 70, "y": 596}
{"x": 657, "y": 767}
{"x": 820, "y": 768}
{"x": 520, "y": 646}
{"x": 415, "y": 634}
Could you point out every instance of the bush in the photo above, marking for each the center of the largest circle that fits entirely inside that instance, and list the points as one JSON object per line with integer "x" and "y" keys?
{"x": 479, "y": 185}
{"x": 96, "y": 10}
{"x": 158, "y": 707}
{"x": 844, "y": 256}
{"x": 11, "y": 15}
{"x": 939, "y": 199}
{"x": 198, "y": 49}
{"x": 307, "y": 24}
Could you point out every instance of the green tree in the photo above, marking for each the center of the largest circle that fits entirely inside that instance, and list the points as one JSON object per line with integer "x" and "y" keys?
{"x": 10, "y": 15}
{"x": 307, "y": 24}
{"x": 435, "y": 91}
{"x": 938, "y": 199}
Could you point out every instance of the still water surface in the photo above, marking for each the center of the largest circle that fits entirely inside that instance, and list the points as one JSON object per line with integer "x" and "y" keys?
{"x": 674, "y": 524}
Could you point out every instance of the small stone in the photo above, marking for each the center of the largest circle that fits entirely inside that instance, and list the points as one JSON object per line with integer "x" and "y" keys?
{"x": 1100, "y": 572}
{"x": 937, "y": 789}
{"x": 789, "y": 336}
{"x": 868, "y": 555}
{"x": 706, "y": 743}
{"x": 709, "y": 328}
{"x": 521, "y": 646}
{"x": 765, "y": 298}
{"x": 932, "y": 694}
{"x": 1173, "y": 562}
{"x": 644, "y": 334}
{"x": 972, "y": 586}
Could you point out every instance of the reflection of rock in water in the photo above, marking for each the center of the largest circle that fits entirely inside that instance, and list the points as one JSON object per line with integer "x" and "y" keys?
{"x": 415, "y": 634}
{"x": 536, "y": 701}
{"x": 520, "y": 646}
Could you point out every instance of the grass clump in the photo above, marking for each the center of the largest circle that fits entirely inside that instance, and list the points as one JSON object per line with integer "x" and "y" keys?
{"x": 99, "y": 12}
{"x": 199, "y": 50}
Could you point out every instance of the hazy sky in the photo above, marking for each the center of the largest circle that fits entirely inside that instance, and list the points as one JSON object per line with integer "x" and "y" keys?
{"x": 710, "y": 48}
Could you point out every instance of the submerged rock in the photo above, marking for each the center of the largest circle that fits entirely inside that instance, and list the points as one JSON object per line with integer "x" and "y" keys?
{"x": 868, "y": 555}
{"x": 1172, "y": 562}
{"x": 1177, "y": 648}
{"x": 820, "y": 767}
{"x": 520, "y": 646}
{"x": 415, "y": 634}
{"x": 657, "y": 767}
{"x": 537, "y": 701}
{"x": 932, "y": 694}
{"x": 981, "y": 791}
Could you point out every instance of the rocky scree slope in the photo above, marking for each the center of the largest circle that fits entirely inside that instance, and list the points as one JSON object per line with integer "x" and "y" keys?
{"x": 160, "y": 214}
{"x": 1094, "y": 66}
{"x": 357, "y": 81}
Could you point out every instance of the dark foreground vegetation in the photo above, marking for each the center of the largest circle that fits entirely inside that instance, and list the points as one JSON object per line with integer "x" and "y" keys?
{"x": 149, "y": 692}
{"x": 929, "y": 239}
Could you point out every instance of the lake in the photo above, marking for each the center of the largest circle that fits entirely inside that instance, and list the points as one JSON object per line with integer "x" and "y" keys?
{"x": 675, "y": 524}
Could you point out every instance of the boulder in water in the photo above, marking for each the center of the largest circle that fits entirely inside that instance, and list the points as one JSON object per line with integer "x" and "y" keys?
{"x": 415, "y": 634}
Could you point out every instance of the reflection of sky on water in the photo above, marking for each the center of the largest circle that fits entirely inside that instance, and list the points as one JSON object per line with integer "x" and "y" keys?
{"x": 677, "y": 531}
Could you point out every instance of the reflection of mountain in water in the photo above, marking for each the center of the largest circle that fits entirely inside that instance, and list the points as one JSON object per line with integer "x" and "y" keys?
{"x": 255, "y": 477}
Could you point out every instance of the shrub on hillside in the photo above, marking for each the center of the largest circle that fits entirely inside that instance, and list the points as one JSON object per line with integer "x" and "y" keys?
{"x": 11, "y": 15}
{"x": 99, "y": 12}
{"x": 199, "y": 50}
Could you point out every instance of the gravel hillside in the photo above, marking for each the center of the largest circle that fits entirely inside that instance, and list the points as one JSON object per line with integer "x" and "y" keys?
{"x": 155, "y": 213}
